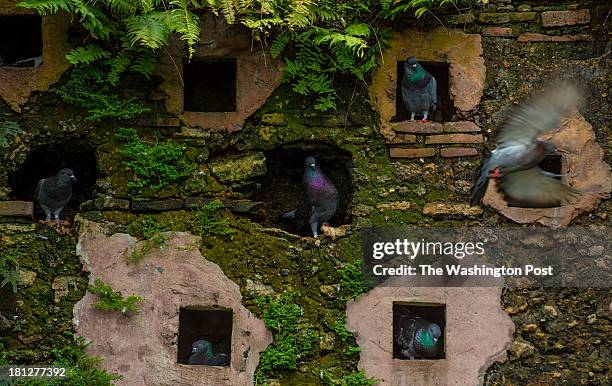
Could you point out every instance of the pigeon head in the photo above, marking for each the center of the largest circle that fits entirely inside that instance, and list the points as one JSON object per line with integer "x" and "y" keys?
{"x": 310, "y": 162}
{"x": 201, "y": 347}
{"x": 413, "y": 69}
{"x": 434, "y": 330}
{"x": 67, "y": 173}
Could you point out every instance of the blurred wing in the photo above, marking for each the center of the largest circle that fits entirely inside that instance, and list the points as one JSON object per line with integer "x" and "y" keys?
{"x": 38, "y": 189}
{"x": 537, "y": 115}
{"x": 432, "y": 89}
{"x": 531, "y": 188}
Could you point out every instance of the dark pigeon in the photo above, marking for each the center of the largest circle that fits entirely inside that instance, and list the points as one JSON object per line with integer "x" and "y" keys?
{"x": 519, "y": 151}
{"x": 54, "y": 193}
{"x": 419, "y": 89}
{"x": 321, "y": 200}
{"x": 202, "y": 354}
{"x": 417, "y": 337}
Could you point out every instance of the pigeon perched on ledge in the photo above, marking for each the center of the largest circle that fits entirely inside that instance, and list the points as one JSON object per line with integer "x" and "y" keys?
{"x": 54, "y": 193}
{"x": 519, "y": 151}
{"x": 419, "y": 89}
{"x": 321, "y": 201}
{"x": 418, "y": 338}
{"x": 202, "y": 354}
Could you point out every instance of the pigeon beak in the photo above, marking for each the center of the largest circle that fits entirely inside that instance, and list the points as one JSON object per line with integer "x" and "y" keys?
{"x": 73, "y": 178}
{"x": 193, "y": 350}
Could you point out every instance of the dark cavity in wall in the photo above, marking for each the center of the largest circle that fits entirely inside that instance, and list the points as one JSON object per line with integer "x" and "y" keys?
{"x": 212, "y": 325}
{"x": 281, "y": 189}
{"x": 210, "y": 85}
{"x": 20, "y": 40}
{"x": 433, "y": 313}
{"x": 46, "y": 161}
{"x": 553, "y": 164}
{"x": 445, "y": 107}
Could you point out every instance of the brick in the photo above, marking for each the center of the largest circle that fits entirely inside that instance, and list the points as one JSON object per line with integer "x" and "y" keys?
{"x": 502, "y": 32}
{"x": 398, "y": 152}
{"x": 157, "y": 206}
{"x": 416, "y": 127}
{"x": 159, "y": 122}
{"x": 451, "y": 209}
{"x": 106, "y": 203}
{"x": 449, "y": 152}
{"x": 565, "y": 18}
{"x": 465, "y": 18}
{"x": 461, "y": 127}
{"x": 17, "y": 208}
{"x": 506, "y": 17}
{"x": 453, "y": 138}
{"x": 533, "y": 37}
{"x": 404, "y": 138}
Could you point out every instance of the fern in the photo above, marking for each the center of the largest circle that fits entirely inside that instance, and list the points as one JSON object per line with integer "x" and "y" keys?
{"x": 8, "y": 128}
{"x": 87, "y": 54}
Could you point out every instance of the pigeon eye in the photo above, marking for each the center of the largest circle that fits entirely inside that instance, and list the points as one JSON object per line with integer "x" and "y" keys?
{"x": 414, "y": 65}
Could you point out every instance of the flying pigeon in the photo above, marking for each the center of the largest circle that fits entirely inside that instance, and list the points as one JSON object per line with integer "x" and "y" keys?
{"x": 418, "y": 338}
{"x": 321, "y": 200}
{"x": 54, "y": 193}
{"x": 519, "y": 151}
{"x": 202, "y": 354}
{"x": 419, "y": 89}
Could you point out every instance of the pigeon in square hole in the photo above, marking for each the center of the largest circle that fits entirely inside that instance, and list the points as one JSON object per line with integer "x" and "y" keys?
{"x": 54, "y": 193}
{"x": 202, "y": 354}
{"x": 321, "y": 200}
{"x": 419, "y": 89}
{"x": 418, "y": 338}
{"x": 519, "y": 151}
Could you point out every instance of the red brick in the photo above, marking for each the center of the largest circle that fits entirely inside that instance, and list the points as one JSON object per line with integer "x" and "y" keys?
{"x": 416, "y": 127}
{"x": 565, "y": 18}
{"x": 503, "y": 32}
{"x": 453, "y": 138}
{"x": 448, "y": 152}
{"x": 17, "y": 208}
{"x": 404, "y": 138}
{"x": 461, "y": 127}
{"x": 398, "y": 152}
{"x": 533, "y": 37}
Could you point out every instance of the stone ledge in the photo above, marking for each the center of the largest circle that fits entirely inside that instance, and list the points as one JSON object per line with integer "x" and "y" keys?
{"x": 398, "y": 152}
{"x": 157, "y": 206}
{"x": 449, "y": 152}
{"x": 506, "y": 17}
{"x": 461, "y": 127}
{"x": 451, "y": 209}
{"x": 534, "y": 37}
{"x": 403, "y": 138}
{"x": 106, "y": 203}
{"x": 453, "y": 138}
{"x": 17, "y": 209}
{"x": 417, "y": 127}
{"x": 501, "y": 32}
{"x": 565, "y": 18}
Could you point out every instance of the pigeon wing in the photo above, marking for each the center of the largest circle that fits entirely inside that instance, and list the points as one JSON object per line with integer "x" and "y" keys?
{"x": 532, "y": 188}
{"x": 537, "y": 115}
{"x": 432, "y": 90}
{"x": 39, "y": 187}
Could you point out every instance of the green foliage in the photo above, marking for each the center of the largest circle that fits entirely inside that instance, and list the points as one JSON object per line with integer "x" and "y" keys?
{"x": 9, "y": 269}
{"x": 154, "y": 164}
{"x": 87, "y": 88}
{"x": 292, "y": 339}
{"x": 350, "y": 279}
{"x": 81, "y": 368}
{"x": 207, "y": 221}
{"x": 8, "y": 128}
{"x": 340, "y": 328}
{"x": 152, "y": 242}
{"x": 353, "y": 379}
{"x": 110, "y": 300}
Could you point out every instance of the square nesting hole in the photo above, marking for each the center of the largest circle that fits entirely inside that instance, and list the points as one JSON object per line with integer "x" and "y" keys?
{"x": 205, "y": 336}
{"x": 553, "y": 164}
{"x": 210, "y": 85}
{"x": 410, "y": 319}
{"x": 21, "y": 42}
{"x": 445, "y": 107}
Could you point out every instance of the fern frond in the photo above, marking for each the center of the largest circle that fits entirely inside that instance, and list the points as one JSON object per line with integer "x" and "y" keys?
{"x": 185, "y": 23}
{"x": 149, "y": 29}
{"x": 47, "y": 7}
{"x": 118, "y": 65}
{"x": 86, "y": 55}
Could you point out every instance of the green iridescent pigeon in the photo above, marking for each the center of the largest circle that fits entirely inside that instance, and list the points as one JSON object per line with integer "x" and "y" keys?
{"x": 202, "y": 354}
{"x": 418, "y": 338}
{"x": 419, "y": 89}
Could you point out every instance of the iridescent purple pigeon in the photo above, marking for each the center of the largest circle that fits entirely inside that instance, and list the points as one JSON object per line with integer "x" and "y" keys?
{"x": 418, "y": 338}
{"x": 321, "y": 200}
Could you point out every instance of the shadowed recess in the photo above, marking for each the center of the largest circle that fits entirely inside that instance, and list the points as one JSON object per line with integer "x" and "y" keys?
{"x": 281, "y": 189}
{"x": 553, "y": 164}
{"x": 214, "y": 326}
{"x": 20, "y": 39}
{"x": 47, "y": 161}
{"x": 210, "y": 85}
{"x": 434, "y": 313}
{"x": 445, "y": 107}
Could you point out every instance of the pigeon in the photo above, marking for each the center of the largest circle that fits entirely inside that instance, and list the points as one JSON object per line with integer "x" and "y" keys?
{"x": 321, "y": 200}
{"x": 202, "y": 354}
{"x": 418, "y": 338}
{"x": 519, "y": 151}
{"x": 419, "y": 89}
{"x": 54, "y": 193}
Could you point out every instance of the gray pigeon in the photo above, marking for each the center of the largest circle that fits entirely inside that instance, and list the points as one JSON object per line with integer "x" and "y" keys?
{"x": 321, "y": 200}
{"x": 202, "y": 354}
{"x": 519, "y": 151}
{"x": 419, "y": 89}
{"x": 54, "y": 193}
{"x": 418, "y": 338}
